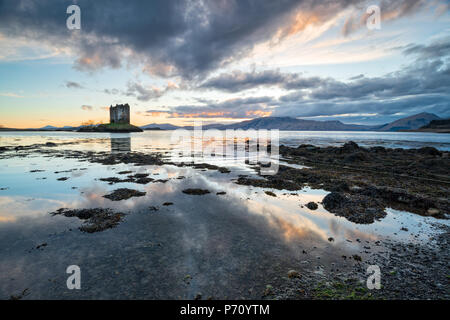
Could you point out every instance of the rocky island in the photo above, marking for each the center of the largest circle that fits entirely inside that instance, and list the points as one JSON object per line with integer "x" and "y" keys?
{"x": 119, "y": 121}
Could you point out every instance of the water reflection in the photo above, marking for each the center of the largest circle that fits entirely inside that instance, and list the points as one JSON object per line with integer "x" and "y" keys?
{"x": 120, "y": 144}
{"x": 227, "y": 244}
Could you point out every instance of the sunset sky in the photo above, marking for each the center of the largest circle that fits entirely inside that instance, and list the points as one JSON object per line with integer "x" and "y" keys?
{"x": 222, "y": 61}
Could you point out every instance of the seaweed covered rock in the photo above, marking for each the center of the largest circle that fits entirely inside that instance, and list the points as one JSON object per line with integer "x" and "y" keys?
{"x": 95, "y": 220}
{"x": 356, "y": 208}
{"x": 123, "y": 194}
{"x": 196, "y": 192}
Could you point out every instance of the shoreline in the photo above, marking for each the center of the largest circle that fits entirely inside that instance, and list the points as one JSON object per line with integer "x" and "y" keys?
{"x": 268, "y": 265}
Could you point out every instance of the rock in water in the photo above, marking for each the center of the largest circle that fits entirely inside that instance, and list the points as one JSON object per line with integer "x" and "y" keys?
{"x": 293, "y": 274}
{"x": 123, "y": 194}
{"x": 197, "y": 192}
{"x": 312, "y": 205}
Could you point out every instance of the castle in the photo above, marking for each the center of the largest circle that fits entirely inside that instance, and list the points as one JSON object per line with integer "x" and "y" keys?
{"x": 120, "y": 113}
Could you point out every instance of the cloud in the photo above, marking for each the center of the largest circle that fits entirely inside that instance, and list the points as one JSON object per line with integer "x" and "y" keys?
{"x": 231, "y": 108}
{"x": 73, "y": 85}
{"x": 435, "y": 50}
{"x": 87, "y": 108}
{"x": 147, "y": 93}
{"x": 422, "y": 86}
{"x": 389, "y": 10}
{"x": 238, "y": 81}
{"x": 111, "y": 91}
{"x": 189, "y": 38}
{"x": 10, "y": 95}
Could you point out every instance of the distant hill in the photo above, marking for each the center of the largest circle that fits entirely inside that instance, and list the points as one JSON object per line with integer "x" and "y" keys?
{"x": 161, "y": 126}
{"x": 46, "y": 128}
{"x": 409, "y": 123}
{"x": 439, "y": 126}
{"x": 293, "y": 124}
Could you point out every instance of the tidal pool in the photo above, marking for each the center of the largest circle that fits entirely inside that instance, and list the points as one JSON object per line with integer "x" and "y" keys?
{"x": 219, "y": 246}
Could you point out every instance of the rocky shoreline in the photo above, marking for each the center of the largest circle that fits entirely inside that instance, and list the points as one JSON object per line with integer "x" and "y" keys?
{"x": 362, "y": 183}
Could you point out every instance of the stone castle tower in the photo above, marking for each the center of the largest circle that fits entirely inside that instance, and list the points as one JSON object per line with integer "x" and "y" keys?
{"x": 119, "y": 113}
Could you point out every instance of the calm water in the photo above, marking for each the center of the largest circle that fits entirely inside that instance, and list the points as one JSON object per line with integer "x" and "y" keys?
{"x": 227, "y": 246}
{"x": 151, "y": 140}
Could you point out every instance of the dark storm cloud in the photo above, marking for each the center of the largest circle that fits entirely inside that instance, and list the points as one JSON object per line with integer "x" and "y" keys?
{"x": 188, "y": 38}
{"x": 429, "y": 74}
{"x": 435, "y": 50}
{"x": 237, "y": 80}
{"x": 232, "y": 108}
{"x": 191, "y": 36}
{"x": 423, "y": 86}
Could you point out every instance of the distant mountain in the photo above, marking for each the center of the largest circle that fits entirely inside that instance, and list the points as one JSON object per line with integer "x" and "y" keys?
{"x": 48, "y": 128}
{"x": 293, "y": 124}
{"x": 409, "y": 123}
{"x": 162, "y": 126}
{"x": 412, "y": 123}
{"x": 439, "y": 126}
{"x": 53, "y": 128}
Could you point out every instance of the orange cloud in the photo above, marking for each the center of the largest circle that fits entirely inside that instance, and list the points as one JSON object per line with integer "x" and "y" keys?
{"x": 259, "y": 113}
{"x": 198, "y": 114}
{"x": 301, "y": 21}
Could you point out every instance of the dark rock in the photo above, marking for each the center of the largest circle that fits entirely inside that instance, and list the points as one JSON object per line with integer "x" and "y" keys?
{"x": 270, "y": 193}
{"x": 197, "y": 192}
{"x": 123, "y": 194}
{"x": 341, "y": 186}
{"x": 312, "y": 206}
{"x": 198, "y": 296}
{"x": 429, "y": 151}
{"x": 293, "y": 274}
{"x": 41, "y": 245}
{"x": 160, "y": 180}
{"x": 349, "y": 147}
{"x": 96, "y": 219}
{"x": 113, "y": 180}
{"x": 143, "y": 180}
{"x": 333, "y": 201}
{"x": 356, "y": 157}
{"x": 139, "y": 175}
{"x": 357, "y": 257}
{"x": 355, "y": 208}
{"x": 124, "y": 172}
{"x": 50, "y": 144}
